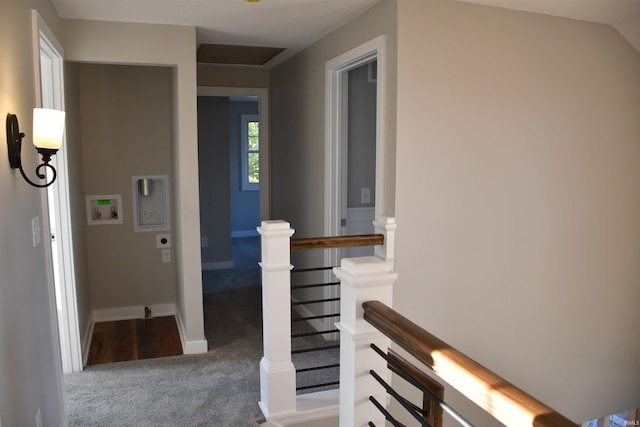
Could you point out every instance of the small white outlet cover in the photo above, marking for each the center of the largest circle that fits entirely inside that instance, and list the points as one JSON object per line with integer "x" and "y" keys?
{"x": 166, "y": 255}
{"x": 163, "y": 240}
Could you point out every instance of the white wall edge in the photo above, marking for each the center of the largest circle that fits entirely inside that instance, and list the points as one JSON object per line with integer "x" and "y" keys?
{"x": 189, "y": 347}
{"x": 220, "y": 265}
{"x": 86, "y": 341}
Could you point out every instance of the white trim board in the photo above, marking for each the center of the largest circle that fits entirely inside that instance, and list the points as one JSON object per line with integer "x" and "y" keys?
{"x": 86, "y": 341}
{"x": 321, "y": 405}
{"x": 134, "y": 312}
{"x": 190, "y": 347}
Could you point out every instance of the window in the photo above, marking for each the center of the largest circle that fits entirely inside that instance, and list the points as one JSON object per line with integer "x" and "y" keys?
{"x": 250, "y": 151}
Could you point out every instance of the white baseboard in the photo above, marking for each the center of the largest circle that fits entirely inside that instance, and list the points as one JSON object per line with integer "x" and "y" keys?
{"x": 86, "y": 341}
{"x": 220, "y": 265}
{"x": 323, "y": 405}
{"x": 135, "y": 312}
{"x": 193, "y": 346}
{"x": 244, "y": 233}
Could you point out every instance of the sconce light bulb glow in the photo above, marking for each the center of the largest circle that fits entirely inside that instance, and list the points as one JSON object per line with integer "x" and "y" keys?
{"x": 48, "y": 127}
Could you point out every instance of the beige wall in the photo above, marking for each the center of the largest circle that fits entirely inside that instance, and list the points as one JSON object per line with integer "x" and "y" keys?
{"x": 233, "y": 76}
{"x": 30, "y": 373}
{"x": 298, "y": 124}
{"x": 125, "y": 115}
{"x": 517, "y": 197}
{"x": 77, "y": 204}
{"x": 173, "y": 46}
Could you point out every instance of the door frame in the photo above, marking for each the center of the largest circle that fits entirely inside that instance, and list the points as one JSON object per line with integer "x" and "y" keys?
{"x": 63, "y": 272}
{"x": 336, "y": 132}
{"x": 263, "y": 111}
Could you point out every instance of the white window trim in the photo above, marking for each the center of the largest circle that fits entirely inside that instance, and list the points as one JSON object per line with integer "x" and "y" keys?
{"x": 244, "y": 158}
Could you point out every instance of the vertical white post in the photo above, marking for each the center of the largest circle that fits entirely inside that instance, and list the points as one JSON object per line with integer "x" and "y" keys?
{"x": 386, "y": 226}
{"x": 277, "y": 373}
{"x": 363, "y": 279}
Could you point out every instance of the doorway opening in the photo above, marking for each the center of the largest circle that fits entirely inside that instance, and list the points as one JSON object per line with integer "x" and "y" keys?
{"x": 231, "y": 147}
{"x": 338, "y": 70}
{"x": 337, "y": 135}
{"x": 234, "y": 197}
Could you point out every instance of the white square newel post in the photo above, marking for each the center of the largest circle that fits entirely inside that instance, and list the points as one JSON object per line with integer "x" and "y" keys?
{"x": 277, "y": 373}
{"x": 362, "y": 279}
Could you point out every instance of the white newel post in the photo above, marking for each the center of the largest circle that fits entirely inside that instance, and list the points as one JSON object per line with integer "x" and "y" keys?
{"x": 364, "y": 279}
{"x": 277, "y": 373}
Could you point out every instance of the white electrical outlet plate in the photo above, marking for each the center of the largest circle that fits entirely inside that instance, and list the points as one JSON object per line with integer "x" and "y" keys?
{"x": 166, "y": 255}
{"x": 163, "y": 240}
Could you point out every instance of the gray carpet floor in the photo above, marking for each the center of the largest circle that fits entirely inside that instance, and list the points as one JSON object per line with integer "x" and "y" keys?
{"x": 220, "y": 388}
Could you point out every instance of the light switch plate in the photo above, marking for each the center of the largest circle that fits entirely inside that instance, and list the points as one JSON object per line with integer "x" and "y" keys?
{"x": 163, "y": 240}
{"x": 365, "y": 195}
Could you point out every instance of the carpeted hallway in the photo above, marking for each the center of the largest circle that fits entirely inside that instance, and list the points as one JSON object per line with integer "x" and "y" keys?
{"x": 218, "y": 388}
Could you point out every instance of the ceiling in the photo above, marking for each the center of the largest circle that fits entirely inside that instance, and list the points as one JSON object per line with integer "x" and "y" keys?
{"x": 295, "y": 24}
{"x": 290, "y": 24}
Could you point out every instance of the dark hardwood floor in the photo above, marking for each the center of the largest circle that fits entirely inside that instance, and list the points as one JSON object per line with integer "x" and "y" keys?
{"x": 134, "y": 339}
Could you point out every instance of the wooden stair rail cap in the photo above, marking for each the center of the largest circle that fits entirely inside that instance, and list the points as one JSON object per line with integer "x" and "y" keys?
{"x": 506, "y": 402}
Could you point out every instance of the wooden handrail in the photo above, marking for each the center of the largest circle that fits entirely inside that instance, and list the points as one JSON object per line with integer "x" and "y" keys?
{"x": 506, "y": 402}
{"x": 336, "y": 242}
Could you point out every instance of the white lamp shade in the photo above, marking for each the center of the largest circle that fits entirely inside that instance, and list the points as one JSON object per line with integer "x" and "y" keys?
{"x": 48, "y": 127}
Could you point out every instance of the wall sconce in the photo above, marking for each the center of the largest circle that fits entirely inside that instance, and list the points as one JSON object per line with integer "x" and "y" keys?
{"x": 48, "y": 127}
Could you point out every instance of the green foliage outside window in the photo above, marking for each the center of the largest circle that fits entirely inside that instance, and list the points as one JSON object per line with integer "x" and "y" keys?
{"x": 253, "y": 154}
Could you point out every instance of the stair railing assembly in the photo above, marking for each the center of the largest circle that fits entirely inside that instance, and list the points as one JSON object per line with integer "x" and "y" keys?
{"x": 278, "y": 394}
{"x": 504, "y": 401}
{"x": 315, "y": 305}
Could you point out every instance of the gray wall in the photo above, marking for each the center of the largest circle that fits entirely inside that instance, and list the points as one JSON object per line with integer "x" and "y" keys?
{"x": 213, "y": 160}
{"x": 298, "y": 125}
{"x": 361, "y": 167}
{"x": 125, "y": 114}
